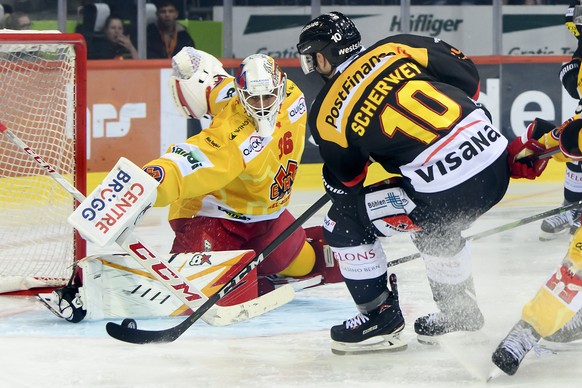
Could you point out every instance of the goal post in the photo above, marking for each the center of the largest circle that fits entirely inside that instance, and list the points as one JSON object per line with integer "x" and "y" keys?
{"x": 43, "y": 78}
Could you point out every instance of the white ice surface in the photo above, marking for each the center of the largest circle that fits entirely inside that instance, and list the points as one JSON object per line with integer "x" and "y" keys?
{"x": 290, "y": 347}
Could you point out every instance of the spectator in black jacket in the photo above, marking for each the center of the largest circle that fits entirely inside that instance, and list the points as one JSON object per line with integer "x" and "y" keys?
{"x": 166, "y": 37}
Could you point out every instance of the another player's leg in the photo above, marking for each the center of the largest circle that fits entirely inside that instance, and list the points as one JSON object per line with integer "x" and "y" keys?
{"x": 553, "y": 314}
{"x": 454, "y": 294}
{"x": 447, "y": 255}
{"x": 554, "y": 226}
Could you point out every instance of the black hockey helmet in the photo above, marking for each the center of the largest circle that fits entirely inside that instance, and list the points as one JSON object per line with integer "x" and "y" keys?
{"x": 332, "y": 34}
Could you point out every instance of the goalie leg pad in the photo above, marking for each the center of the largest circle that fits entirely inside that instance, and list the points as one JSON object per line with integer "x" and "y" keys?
{"x": 115, "y": 286}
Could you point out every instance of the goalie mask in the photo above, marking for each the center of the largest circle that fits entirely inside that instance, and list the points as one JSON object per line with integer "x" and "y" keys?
{"x": 261, "y": 86}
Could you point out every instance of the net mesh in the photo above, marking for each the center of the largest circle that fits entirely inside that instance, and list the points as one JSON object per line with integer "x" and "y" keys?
{"x": 37, "y": 103}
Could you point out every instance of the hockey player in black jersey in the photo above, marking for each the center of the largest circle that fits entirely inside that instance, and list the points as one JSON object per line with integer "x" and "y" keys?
{"x": 408, "y": 103}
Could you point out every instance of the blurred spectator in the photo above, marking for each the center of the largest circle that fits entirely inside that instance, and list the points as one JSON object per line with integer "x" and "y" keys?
{"x": 114, "y": 44}
{"x": 166, "y": 37}
{"x": 18, "y": 21}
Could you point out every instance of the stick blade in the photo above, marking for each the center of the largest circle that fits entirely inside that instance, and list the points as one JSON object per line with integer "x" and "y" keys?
{"x": 138, "y": 336}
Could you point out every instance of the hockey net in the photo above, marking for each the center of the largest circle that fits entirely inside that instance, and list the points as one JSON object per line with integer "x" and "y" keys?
{"x": 43, "y": 101}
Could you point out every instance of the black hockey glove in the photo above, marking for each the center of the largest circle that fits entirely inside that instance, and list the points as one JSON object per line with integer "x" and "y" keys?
{"x": 333, "y": 187}
{"x": 569, "y": 77}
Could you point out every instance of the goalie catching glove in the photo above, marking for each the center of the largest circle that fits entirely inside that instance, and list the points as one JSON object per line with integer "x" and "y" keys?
{"x": 195, "y": 74}
{"x": 522, "y": 151}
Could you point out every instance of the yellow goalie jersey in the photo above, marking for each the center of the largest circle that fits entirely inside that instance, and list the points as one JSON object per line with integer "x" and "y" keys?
{"x": 228, "y": 170}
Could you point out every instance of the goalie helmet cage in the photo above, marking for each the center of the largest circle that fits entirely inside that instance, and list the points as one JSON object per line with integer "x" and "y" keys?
{"x": 43, "y": 101}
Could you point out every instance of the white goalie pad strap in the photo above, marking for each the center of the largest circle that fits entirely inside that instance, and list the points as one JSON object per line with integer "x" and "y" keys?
{"x": 116, "y": 286}
{"x": 449, "y": 270}
{"x": 116, "y": 204}
{"x": 361, "y": 262}
{"x": 193, "y": 78}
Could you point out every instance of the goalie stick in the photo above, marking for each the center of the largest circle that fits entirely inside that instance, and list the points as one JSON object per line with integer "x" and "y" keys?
{"x": 501, "y": 228}
{"x": 130, "y": 333}
{"x": 180, "y": 287}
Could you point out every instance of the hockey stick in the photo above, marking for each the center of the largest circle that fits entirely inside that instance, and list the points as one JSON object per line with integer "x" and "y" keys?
{"x": 501, "y": 228}
{"x": 134, "y": 335}
{"x": 177, "y": 284}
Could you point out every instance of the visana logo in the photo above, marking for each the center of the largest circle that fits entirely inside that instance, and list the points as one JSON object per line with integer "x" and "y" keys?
{"x": 465, "y": 152}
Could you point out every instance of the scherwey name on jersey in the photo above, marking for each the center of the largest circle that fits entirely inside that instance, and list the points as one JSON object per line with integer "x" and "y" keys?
{"x": 381, "y": 89}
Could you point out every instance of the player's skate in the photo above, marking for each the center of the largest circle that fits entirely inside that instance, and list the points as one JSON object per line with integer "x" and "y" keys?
{"x": 510, "y": 353}
{"x": 377, "y": 330}
{"x": 572, "y": 331}
{"x": 458, "y": 312}
{"x": 554, "y": 226}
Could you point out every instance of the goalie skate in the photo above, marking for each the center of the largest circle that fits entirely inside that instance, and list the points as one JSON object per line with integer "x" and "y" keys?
{"x": 64, "y": 303}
